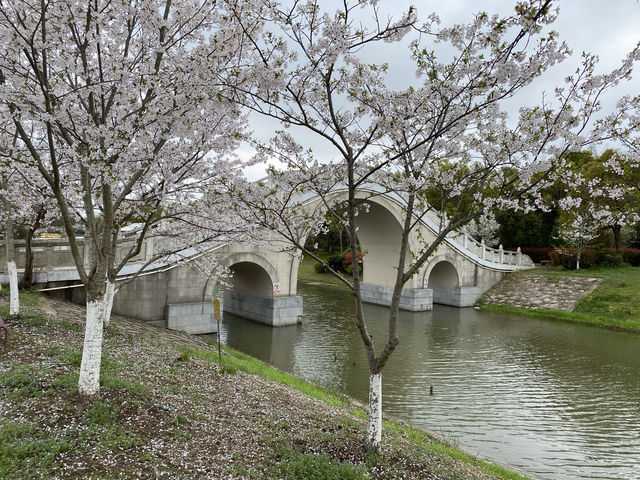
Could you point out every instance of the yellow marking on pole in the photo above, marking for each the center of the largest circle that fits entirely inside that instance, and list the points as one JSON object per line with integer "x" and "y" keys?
{"x": 216, "y": 310}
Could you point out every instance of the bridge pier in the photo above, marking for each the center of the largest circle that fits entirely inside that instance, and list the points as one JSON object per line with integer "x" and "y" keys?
{"x": 412, "y": 299}
{"x": 275, "y": 311}
{"x": 456, "y": 296}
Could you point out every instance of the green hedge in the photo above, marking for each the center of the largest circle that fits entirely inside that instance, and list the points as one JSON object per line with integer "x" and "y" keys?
{"x": 595, "y": 257}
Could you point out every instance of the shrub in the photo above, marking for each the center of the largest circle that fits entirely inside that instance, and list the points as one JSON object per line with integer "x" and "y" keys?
{"x": 347, "y": 259}
{"x": 608, "y": 257}
{"x": 559, "y": 257}
{"x": 320, "y": 268}
{"x": 591, "y": 257}
{"x": 631, "y": 256}
{"x": 537, "y": 254}
{"x": 335, "y": 262}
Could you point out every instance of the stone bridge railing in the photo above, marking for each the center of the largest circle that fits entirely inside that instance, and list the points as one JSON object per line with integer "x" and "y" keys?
{"x": 496, "y": 255}
{"x": 55, "y": 253}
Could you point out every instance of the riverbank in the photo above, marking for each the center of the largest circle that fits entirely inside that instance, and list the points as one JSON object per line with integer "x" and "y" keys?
{"x": 604, "y": 297}
{"x": 167, "y": 410}
{"x": 307, "y": 273}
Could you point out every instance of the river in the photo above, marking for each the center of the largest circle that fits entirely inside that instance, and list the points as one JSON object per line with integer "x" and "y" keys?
{"x": 557, "y": 400}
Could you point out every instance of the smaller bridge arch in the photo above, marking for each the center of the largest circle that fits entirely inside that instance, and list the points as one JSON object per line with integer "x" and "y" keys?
{"x": 444, "y": 277}
{"x": 442, "y": 270}
{"x": 255, "y": 291}
{"x": 251, "y": 273}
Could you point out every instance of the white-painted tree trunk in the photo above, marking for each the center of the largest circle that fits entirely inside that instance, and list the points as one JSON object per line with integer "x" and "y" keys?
{"x": 12, "y": 269}
{"x": 89, "y": 381}
{"x": 374, "y": 429}
{"x": 14, "y": 301}
{"x": 108, "y": 301}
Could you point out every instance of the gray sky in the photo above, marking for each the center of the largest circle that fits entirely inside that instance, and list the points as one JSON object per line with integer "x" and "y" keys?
{"x": 609, "y": 29}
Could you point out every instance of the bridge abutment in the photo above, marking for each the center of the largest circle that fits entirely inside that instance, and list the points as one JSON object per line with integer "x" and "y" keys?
{"x": 412, "y": 299}
{"x": 274, "y": 311}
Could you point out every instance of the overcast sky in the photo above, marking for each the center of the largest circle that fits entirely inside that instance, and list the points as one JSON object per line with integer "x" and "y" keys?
{"x": 609, "y": 29}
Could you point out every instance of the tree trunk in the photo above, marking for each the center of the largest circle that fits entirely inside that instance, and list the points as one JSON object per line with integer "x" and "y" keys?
{"x": 617, "y": 237}
{"x": 374, "y": 427}
{"x": 89, "y": 380}
{"x": 12, "y": 269}
{"x": 110, "y": 293}
{"x": 27, "y": 278}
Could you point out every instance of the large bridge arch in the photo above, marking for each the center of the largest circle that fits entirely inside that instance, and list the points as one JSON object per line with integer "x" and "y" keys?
{"x": 379, "y": 235}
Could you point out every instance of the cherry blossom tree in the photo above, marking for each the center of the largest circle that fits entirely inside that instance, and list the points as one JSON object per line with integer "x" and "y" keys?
{"x": 486, "y": 228}
{"x": 623, "y": 165}
{"x": 445, "y": 133}
{"x": 576, "y": 230}
{"x": 19, "y": 200}
{"x": 609, "y": 194}
{"x": 115, "y": 107}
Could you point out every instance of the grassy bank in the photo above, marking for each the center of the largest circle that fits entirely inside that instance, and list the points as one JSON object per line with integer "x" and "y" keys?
{"x": 167, "y": 410}
{"x": 614, "y": 304}
{"x": 307, "y": 273}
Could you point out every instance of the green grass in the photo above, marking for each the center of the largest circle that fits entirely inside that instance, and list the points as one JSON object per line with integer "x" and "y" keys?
{"x": 20, "y": 381}
{"x": 307, "y": 273}
{"x": 614, "y": 304}
{"x": 571, "y": 317}
{"x": 234, "y": 360}
{"x": 110, "y": 372}
{"x": 28, "y": 298}
{"x": 31, "y": 318}
{"x": 294, "y": 465}
{"x": 27, "y": 451}
{"x": 100, "y": 413}
{"x": 426, "y": 445}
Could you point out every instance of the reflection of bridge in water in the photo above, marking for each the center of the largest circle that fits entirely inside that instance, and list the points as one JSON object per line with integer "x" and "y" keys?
{"x": 264, "y": 281}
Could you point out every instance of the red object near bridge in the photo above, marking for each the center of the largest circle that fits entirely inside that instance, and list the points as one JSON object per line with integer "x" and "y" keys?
{"x": 348, "y": 258}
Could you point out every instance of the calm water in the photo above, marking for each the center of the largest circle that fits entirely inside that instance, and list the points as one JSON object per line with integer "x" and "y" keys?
{"x": 558, "y": 401}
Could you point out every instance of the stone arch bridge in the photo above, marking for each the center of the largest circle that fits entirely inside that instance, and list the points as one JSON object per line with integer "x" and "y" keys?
{"x": 264, "y": 282}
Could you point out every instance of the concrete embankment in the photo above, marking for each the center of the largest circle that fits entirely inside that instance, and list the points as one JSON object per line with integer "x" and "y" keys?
{"x": 531, "y": 289}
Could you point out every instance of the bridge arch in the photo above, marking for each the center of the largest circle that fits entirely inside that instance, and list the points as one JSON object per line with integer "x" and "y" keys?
{"x": 445, "y": 277}
{"x": 379, "y": 235}
{"x": 442, "y": 271}
{"x": 251, "y": 273}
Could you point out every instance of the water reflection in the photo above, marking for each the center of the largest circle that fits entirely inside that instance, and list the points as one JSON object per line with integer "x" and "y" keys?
{"x": 558, "y": 400}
